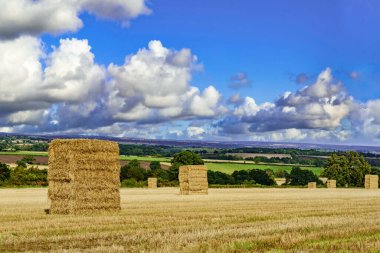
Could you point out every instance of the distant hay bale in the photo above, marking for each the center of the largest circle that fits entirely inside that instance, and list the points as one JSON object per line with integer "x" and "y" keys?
{"x": 193, "y": 179}
{"x": 312, "y": 185}
{"x": 84, "y": 176}
{"x": 280, "y": 181}
{"x": 331, "y": 183}
{"x": 371, "y": 182}
{"x": 152, "y": 182}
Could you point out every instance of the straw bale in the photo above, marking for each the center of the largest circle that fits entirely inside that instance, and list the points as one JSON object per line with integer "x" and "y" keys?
{"x": 331, "y": 183}
{"x": 152, "y": 182}
{"x": 280, "y": 181}
{"x": 193, "y": 179}
{"x": 83, "y": 176}
{"x": 312, "y": 185}
{"x": 371, "y": 182}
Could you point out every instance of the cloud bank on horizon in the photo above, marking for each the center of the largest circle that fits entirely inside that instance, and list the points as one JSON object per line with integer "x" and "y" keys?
{"x": 152, "y": 94}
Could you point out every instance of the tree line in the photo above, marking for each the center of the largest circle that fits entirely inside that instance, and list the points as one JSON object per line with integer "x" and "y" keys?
{"x": 348, "y": 169}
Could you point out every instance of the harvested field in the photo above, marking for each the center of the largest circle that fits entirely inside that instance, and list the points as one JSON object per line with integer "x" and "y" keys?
{"x": 12, "y": 159}
{"x": 226, "y": 220}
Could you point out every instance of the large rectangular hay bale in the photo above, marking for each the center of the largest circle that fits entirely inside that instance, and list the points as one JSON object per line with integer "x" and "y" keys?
{"x": 84, "y": 176}
{"x": 331, "y": 183}
{"x": 371, "y": 182}
{"x": 152, "y": 182}
{"x": 312, "y": 185}
{"x": 193, "y": 179}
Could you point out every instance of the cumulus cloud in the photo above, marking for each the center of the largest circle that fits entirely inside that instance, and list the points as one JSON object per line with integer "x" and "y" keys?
{"x": 71, "y": 73}
{"x": 322, "y": 105}
{"x": 32, "y": 83}
{"x": 21, "y": 75}
{"x": 239, "y": 80}
{"x": 365, "y": 119}
{"x": 154, "y": 85}
{"x": 30, "y": 17}
{"x": 120, "y": 10}
{"x": 66, "y": 89}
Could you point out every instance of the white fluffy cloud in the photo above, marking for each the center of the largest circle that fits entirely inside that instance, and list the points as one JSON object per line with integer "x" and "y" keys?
{"x": 67, "y": 90}
{"x": 120, "y": 10}
{"x": 31, "y": 17}
{"x": 322, "y": 105}
{"x": 154, "y": 84}
{"x": 71, "y": 74}
{"x": 365, "y": 119}
{"x": 28, "y": 90}
{"x": 20, "y": 75}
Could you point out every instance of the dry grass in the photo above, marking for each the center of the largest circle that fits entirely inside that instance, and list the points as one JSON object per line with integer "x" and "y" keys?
{"x": 226, "y": 220}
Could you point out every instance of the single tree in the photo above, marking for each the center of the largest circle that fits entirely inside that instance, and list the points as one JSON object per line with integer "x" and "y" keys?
{"x": 347, "y": 169}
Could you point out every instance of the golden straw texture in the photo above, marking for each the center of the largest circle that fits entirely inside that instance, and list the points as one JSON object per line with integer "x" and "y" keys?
{"x": 84, "y": 176}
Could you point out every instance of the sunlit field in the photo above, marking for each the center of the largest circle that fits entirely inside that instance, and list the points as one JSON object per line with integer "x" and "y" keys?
{"x": 229, "y": 168}
{"x": 227, "y": 220}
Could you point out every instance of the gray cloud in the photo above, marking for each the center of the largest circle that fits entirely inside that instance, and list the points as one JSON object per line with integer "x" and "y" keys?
{"x": 239, "y": 80}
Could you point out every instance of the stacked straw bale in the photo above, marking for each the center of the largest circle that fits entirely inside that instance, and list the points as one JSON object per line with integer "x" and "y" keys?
{"x": 312, "y": 185}
{"x": 371, "y": 181}
{"x": 331, "y": 183}
{"x": 280, "y": 181}
{"x": 84, "y": 176}
{"x": 193, "y": 179}
{"x": 152, "y": 182}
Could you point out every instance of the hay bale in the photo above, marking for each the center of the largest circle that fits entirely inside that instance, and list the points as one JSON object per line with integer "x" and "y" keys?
{"x": 193, "y": 179}
{"x": 152, "y": 182}
{"x": 280, "y": 181}
{"x": 84, "y": 176}
{"x": 331, "y": 183}
{"x": 312, "y": 185}
{"x": 371, "y": 182}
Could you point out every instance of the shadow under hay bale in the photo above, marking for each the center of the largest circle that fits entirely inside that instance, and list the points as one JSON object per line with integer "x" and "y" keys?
{"x": 371, "y": 182}
{"x": 312, "y": 185}
{"x": 152, "y": 183}
{"x": 193, "y": 179}
{"x": 331, "y": 183}
{"x": 84, "y": 176}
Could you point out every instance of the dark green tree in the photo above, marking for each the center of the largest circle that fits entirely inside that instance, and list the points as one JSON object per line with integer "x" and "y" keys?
{"x": 183, "y": 158}
{"x": 5, "y": 173}
{"x": 133, "y": 170}
{"x": 155, "y": 165}
{"x": 216, "y": 177}
{"x": 299, "y": 176}
{"x": 262, "y": 177}
{"x": 347, "y": 169}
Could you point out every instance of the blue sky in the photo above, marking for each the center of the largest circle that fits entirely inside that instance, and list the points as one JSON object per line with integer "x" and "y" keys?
{"x": 269, "y": 40}
{"x": 275, "y": 46}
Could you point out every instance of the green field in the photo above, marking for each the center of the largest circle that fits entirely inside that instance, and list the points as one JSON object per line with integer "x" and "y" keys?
{"x": 231, "y": 167}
